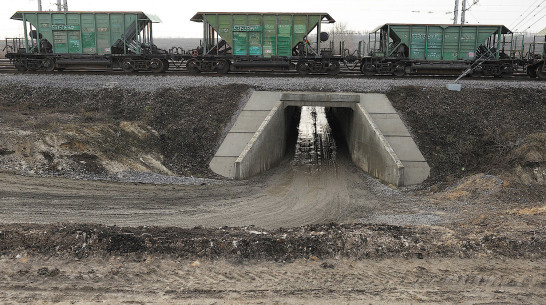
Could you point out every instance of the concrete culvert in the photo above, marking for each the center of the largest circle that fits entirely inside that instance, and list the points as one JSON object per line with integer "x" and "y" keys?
{"x": 377, "y": 140}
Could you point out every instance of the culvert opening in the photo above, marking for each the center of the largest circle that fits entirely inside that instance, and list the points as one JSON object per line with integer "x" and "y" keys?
{"x": 316, "y": 140}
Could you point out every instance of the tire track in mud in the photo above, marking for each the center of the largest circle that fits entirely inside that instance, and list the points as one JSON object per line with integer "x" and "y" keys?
{"x": 285, "y": 197}
{"x": 163, "y": 280}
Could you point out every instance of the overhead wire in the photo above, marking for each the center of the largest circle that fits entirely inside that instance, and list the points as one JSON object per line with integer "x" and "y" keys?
{"x": 523, "y": 13}
{"x": 525, "y": 18}
{"x": 539, "y": 19}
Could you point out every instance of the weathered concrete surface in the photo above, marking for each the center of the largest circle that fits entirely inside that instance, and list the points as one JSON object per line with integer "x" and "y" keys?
{"x": 378, "y": 140}
{"x": 320, "y": 99}
{"x": 248, "y": 122}
{"x": 392, "y": 128}
{"x": 368, "y": 148}
{"x": 267, "y": 146}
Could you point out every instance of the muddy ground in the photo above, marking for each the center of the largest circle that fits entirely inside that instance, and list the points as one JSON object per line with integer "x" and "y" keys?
{"x": 473, "y": 233}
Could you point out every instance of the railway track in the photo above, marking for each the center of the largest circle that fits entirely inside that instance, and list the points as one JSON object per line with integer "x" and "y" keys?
{"x": 7, "y": 67}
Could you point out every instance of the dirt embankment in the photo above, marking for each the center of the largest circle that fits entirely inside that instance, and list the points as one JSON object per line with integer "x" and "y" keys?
{"x": 499, "y": 132}
{"x": 357, "y": 241}
{"x": 109, "y": 130}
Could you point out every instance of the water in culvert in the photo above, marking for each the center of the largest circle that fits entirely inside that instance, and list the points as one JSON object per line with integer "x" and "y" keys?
{"x": 315, "y": 147}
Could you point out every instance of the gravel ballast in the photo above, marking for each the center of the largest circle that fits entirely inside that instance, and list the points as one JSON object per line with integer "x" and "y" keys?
{"x": 144, "y": 82}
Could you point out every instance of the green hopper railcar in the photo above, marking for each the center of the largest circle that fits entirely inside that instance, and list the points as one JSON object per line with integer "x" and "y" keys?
{"x": 400, "y": 49}
{"x": 263, "y": 41}
{"x": 110, "y": 39}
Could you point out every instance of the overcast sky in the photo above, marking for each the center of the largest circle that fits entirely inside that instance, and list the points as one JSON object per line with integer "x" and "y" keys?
{"x": 358, "y": 15}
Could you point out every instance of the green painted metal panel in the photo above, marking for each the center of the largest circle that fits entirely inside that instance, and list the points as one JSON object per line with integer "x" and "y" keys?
{"x": 44, "y": 27}
{"x": 74, "y": 42}
{"x": 103, "y": 34}
{"x": 262, "y": 34}
{"x": 299, "y": 28}
{"x": 87, "y": 33}
{"x": 225, "y": 27}
{"x": 270, "y": 36}
{"x": 434, "y": 43}
{"x": 451, "y": 43}
{"x": 285, "y": 36}
{"x": 239, "y": 43}
{"x": 240, "y": 39}
{"x": 441, "y": 42}
{"x": 468, "y": 46}
{"x": 255, "y": 36}
{"x": 117, "y": 28}
{"x": 59, "y": 18}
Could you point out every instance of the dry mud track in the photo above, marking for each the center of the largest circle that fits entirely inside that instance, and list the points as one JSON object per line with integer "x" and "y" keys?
{"x": 286, "y": 197}
{"x": 166, "y": 281}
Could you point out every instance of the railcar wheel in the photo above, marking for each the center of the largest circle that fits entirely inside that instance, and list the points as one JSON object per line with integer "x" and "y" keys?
{"x": 156, "y": 65}
{"x": 400, "y": 70}
{"x": 507, "y": 72}
{"x": 48, "y": 64}
{"x": 127, "y": 65}
{"x": 165, "y": 65}
{"x": 192, "y": 67}
{"x": 540, "y": 73}
{"x": 367, "y": 69}
{"x": 531, "y": 72}
{"x": 222, "y": 67}
{"x": 20, "y": 66}
{"x": 334, "y": 68}
{"x": 302, "y": 68}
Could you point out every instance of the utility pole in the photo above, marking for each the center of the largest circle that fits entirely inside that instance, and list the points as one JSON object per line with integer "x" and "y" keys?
{"x": 39, "y": 5}
{"x": 59, "y": 6}
{"x": 463, "y": 12}
{"x": 65, "y": 5}
{"x": 456, "y": 12}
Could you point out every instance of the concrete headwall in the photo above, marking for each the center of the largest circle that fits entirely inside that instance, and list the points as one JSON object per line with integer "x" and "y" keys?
{"x": 268, "y": 145}
{"x": 368, "y": 148}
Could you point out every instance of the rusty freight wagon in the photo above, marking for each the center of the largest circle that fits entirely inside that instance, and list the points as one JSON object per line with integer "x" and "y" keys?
{"x": 57, "y": 40}
{"x": 399, "y": 49}
{"x": 263, "y": 41}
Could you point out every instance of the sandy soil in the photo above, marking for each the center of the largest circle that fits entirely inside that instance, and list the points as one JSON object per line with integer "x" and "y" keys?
{"x": 285, "y": 197}
{"x": 166, "y": 281}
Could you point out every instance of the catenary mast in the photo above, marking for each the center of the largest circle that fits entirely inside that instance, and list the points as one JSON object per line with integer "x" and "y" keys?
{"x": 456, "y": 12}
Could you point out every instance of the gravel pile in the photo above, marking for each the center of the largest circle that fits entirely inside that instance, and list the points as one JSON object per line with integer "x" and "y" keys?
{"x": 289, "y": 83}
